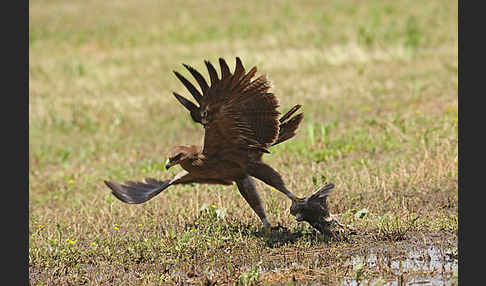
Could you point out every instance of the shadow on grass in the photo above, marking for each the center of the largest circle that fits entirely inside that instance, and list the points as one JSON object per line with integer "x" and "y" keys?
{"x": 210, "y": 220}
{"x": 281, "y": 235}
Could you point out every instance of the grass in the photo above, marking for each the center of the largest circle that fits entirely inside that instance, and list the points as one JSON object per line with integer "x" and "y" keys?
{"x": 378, "y": 85}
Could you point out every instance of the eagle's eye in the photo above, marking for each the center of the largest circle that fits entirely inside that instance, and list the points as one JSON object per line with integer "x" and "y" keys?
{"x": 175, "y": 158}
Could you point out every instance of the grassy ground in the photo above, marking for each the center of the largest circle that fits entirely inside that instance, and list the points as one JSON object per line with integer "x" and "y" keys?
{"x": 378, "y": 85}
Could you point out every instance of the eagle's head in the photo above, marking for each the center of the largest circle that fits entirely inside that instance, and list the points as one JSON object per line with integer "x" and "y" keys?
{"x": 179, "y": 154}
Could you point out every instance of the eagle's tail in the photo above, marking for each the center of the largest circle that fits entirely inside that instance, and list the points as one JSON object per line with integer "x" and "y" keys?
{"x": 289, "y": 125}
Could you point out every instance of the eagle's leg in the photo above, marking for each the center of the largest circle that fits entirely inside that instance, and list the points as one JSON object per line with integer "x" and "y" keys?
{"x": 247, "y": 188}
{"x": 270, "y": 177}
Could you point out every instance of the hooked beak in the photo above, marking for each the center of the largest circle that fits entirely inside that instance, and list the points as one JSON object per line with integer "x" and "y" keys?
{"x": 168, "y": 164}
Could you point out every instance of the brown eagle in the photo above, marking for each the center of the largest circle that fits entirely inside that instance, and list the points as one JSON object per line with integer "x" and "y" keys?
{"x": 241, "y": 122}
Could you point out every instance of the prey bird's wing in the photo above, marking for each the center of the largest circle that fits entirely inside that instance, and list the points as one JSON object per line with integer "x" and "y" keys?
{"x": 322, "y": 193}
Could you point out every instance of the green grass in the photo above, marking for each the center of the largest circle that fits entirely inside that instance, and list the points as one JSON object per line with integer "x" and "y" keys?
{"x": 378, "y": 85}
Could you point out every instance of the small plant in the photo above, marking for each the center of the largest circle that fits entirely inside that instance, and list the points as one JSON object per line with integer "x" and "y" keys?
{"x": 369, "y": 33}
{"x": 359, "y": 272}
{"x": 391, "y": 228}
{"x": 212, "y": 212}
{"x": 250, "y": 277}
{"x": 153, "y": 166}
{"x": 365, "y": 36}
{"x": 412, "y": 35}
{"x": 316, "y": 183}
{"x": 311, "y": 132}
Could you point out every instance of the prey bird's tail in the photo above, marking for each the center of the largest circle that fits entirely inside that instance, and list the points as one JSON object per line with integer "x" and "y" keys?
{"x": 137, "y": 192}
{"x": 289, "y": 125}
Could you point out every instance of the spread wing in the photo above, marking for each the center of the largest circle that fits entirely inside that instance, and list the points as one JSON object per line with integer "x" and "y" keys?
{"x": 140, "y": 192}
{"x": 238, "y": 113}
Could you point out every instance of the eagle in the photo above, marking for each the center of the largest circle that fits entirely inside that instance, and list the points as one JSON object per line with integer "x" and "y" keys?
{"x": 241, "y": 122}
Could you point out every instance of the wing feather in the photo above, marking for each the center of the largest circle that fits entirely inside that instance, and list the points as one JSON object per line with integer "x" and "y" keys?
{"x": 213, "y": 75}
{"x": 192, "y": 89}
{"x": 225, "y": 71}
{"x": 193, "y": 109}
{"x": 239, "y": 71}
{"x": 199, "y": 78}
{"x": 244, "y": 81}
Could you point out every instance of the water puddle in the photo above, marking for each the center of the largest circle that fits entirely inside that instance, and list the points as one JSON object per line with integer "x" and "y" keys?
{"x": 431, "y": 265}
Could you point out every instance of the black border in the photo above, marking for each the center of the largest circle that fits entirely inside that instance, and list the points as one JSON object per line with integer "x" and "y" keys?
{"x": 461, "y": 125}
{"x": 15, "y": 139}
{"x": 461, "y": 187}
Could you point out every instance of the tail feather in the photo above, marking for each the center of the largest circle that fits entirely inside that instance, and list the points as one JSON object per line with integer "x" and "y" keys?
{"x": 137, "y": 192}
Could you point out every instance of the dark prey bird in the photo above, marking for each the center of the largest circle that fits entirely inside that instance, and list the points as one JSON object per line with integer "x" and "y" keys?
{"x": 314, "y": 210}
{"x": 241, "y": 122}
